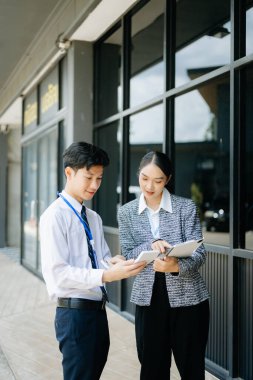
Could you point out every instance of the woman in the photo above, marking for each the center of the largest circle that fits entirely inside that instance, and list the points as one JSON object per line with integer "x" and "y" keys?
{"x": 172, "y": 308}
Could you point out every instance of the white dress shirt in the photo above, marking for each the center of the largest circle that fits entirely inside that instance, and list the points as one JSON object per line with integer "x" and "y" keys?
{"x": 66, "y": 266}
{"x": 153, "y": 216}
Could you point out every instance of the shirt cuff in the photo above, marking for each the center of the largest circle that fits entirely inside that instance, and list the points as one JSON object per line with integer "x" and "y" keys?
{"x": 183, "y": 267}
{"x": 153, "y": 241}
{"x": 97, "y": 277}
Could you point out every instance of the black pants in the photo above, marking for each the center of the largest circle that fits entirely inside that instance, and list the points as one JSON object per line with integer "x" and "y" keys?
{"x": 83, "y": 337}
{"x": 161, "y": 330}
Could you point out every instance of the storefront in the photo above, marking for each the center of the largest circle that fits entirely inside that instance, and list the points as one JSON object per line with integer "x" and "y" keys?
{"x": 177, "y": 77}
{"x": 44, "y": 118}
{"x": 56, "y": 112}
{"x": 173, "y": 76}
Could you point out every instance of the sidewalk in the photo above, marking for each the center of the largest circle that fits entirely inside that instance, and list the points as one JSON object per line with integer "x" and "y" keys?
{"x": 28, "y": 349}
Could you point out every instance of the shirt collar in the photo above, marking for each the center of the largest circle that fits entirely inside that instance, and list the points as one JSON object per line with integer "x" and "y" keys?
{"x": 165, "y": 203}
{"x": 77, "y": 206}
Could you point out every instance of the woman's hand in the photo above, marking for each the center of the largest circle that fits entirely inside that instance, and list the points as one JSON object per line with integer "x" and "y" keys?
{"x": 167, "y": 264}
{"x": 160, "y": 245}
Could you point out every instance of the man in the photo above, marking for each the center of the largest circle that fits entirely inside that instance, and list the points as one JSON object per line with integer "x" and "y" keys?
{"x": 72, "y": 248}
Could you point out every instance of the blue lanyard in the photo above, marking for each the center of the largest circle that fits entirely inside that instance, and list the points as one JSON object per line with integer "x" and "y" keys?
{"x": 86, "y": 227}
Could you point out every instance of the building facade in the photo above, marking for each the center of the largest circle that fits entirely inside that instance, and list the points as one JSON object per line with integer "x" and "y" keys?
{"x": 173, "y": 76}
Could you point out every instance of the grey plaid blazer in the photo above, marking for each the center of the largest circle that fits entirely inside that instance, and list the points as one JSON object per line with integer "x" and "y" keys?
{"x": 185, "y": 289}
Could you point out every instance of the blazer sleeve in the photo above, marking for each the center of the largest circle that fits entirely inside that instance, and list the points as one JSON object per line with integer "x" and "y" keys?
{"x": 129, "y": 247}
{"x": 192, "y": 230}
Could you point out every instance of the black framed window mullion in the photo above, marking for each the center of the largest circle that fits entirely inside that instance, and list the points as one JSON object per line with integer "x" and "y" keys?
{"x": 60, "y": 149}
{"x": 124, "y": 125}
{"x": 169, "y": 56}
{"x": 237, "y": 126}
{"x": 170, "y": 43}
{"x": 96, "y": 60}
{"x": 237, "y": 50}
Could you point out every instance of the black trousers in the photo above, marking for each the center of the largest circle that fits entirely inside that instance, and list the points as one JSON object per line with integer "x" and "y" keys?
{"x": 83, "y": 337}
{"x": 161, "y": 330}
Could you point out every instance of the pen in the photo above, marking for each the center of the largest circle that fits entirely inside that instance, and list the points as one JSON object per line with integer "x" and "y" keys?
{"x": 168, "y": 250}
{"x": 105, "y": 264}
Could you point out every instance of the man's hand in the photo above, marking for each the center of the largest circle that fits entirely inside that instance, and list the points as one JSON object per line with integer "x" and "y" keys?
{"x": 116, "y": 259}
{"x": 168, "y": 264}
{"x": 123, "y": 269}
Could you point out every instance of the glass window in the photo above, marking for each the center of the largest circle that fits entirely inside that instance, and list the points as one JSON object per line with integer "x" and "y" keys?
{"x": 202, "y": 37}
{"x": 146, "y": 134}
{"x": 30, "y": 216}
{"x": 249, "y": 159}
{"x": 47, "y": 172}
{"x": 39, "y": 190}
{"x": 147, "y": 61}
{"x": 49, "y": 96}
{"x": 249, "y": 30}
{"x": 107, "y": 197}
{"x": 63, "y": 91}
{"x": 202, "y": 155}
{"x": 108, "y": 74}
{"x": 30, "y": 112}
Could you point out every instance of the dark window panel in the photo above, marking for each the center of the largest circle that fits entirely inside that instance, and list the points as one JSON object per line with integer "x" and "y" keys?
{"x": 107, "y": 198}
{"x": 202, "y": 37}
{"x": 146, "y": 134}
{"x": 202, "y": 155}
{"x": 249, "y": 29}
{"x": 147, "y": 61}
{"x": 249, "y": 159}
{"x": 108, "y": 75}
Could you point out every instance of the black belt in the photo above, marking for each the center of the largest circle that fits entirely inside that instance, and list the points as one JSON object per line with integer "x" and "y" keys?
{"x": 81, "y": 303}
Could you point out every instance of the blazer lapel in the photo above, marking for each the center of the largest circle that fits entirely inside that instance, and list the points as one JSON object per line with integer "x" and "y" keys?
{"x": 170, "y": 226}
{"x": 145, "y": 225}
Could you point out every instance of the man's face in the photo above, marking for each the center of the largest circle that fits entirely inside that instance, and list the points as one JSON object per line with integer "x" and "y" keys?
{"x": 83, "y": 183}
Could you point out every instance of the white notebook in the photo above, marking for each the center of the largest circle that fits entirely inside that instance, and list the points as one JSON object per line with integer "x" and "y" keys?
{"x": 147, "y": 256}
{"x": 185, "y": 249}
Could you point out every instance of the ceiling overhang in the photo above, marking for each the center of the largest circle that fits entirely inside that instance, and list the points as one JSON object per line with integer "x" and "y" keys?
{"x": 102, "y": 17}
{"x": 98, "y": 21}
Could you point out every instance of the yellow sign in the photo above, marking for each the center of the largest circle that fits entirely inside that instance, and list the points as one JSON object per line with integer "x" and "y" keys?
{"x": 30, "y": 114}
{"x": 50, "y": 97}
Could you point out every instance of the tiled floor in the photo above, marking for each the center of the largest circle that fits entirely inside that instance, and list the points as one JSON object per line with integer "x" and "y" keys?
{"x": 27, "y": 334}
{"x": 28, "y": 349}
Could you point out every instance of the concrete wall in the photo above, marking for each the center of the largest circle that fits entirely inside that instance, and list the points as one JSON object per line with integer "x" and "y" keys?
{"x": 13, "y": 217}
{"x": 80, "y": 92}
{"x": 79, "y": 125}
{"x": 3, "y": 177}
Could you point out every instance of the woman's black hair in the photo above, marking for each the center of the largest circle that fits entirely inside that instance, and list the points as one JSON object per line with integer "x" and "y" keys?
{"x": 84, "y": 155}
{"x": 159, "y": 159}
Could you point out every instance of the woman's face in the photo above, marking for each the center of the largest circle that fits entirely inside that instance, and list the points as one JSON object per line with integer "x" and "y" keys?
{"x": 152, "y": 182}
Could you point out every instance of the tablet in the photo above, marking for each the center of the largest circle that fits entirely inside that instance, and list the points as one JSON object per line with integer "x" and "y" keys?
{"x": 147, "y": 256}
{"x": 185, "y": 249}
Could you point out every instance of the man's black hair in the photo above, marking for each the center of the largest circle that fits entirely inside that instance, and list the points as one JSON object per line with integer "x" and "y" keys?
{"x": 84, "y": 155}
